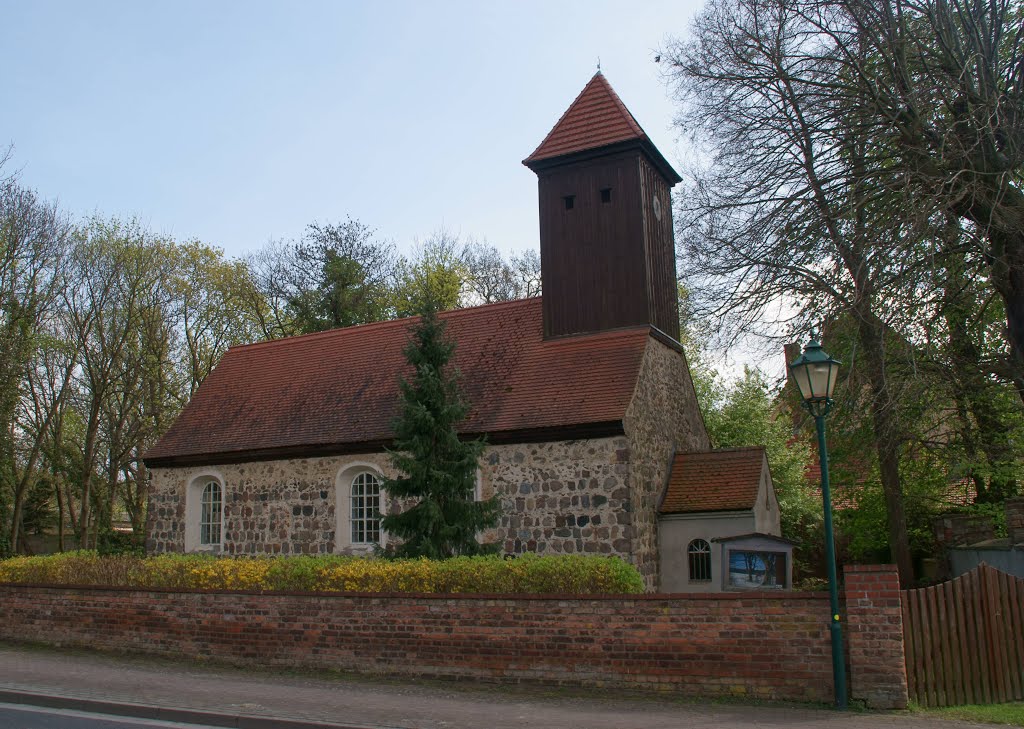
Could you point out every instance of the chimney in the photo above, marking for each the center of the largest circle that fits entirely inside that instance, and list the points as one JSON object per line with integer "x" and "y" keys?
{"x": 790, "y": 392}
{"x": 1015, "y": 520}
{"x": 791, "y": 351}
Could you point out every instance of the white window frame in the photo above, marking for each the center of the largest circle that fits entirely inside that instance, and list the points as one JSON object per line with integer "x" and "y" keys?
{"x": 364, "y": 508}
{"x": 211, "y": 514}
{"x": 194, "y": 512}
{"x": 343, "y": 505}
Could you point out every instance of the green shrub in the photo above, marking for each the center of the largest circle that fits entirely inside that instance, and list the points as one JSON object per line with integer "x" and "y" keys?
{"x": 568, "y": 574}
{"x": 111, "y": 542}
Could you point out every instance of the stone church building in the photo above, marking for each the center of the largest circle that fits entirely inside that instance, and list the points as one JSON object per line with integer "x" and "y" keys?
{"x": 584, "y": 396}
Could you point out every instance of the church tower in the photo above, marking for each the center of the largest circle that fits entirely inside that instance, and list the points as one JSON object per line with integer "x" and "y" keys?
{"x": 606, "y": 243}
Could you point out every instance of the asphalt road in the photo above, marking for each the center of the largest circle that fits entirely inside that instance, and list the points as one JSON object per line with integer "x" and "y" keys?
{"x": 251, "y": 698}
{"x": 22, "y": 717}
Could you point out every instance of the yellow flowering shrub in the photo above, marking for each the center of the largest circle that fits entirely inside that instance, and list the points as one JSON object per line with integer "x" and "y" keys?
{"x": 570, "y": 574}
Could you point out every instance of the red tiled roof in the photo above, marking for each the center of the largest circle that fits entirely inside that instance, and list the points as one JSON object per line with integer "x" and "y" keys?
{"x": 956, "y": 494}
{"x": 314, "y": 393}
{"x": 721, "y": 480}
{"x": 595, "y": 119}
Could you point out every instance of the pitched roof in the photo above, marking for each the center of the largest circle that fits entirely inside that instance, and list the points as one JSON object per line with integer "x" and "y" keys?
{"x": 337, "y": 391}
{"x": 722, "y": 480}
{"x": 595, "y": 119}
{"x": 754, "y": 535}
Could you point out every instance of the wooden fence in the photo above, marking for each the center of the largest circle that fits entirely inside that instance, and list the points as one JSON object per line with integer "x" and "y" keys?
{"x": 964, "y": 639}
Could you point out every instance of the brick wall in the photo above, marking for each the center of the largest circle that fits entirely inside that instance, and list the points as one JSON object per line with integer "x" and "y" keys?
{"x": 762, "y": 645}
{"x": 878, "y": 669}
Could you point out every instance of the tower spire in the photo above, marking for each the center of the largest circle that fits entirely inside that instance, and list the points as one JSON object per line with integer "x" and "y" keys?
{"x": 607, "y": 256}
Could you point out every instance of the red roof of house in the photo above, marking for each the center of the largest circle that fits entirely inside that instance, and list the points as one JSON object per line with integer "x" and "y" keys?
{"x": 595, "y": 119}
{"x": 337, "y": 391}
{"x": 721, "y": 480}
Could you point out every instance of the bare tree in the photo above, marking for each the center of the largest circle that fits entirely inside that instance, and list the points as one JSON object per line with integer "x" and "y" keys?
{"x": 48, "y": 386}
{"x": 34, "y": 238}
{"x": 964, "y": 348}
{"x": 526, "y": 268}
{"x": 51, "y": 385}
{"x": 783, "y": 217}
{"x": 491, "y": 278}
{"x": 944, "y": 83}
{"x": 266, "y": 301}
{"x": 214, "y": 304}
{"x": 117, "y": 293}
{"x": 842, "y": 134}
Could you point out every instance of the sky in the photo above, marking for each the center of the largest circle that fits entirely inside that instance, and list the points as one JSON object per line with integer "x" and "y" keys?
{"x": 239, "y": 122}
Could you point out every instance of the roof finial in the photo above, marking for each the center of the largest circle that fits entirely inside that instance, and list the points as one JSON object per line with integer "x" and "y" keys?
{"x": 599, "y": 64}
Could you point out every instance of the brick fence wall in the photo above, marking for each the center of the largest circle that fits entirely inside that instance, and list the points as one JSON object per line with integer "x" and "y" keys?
{"x": 764, "y": 645}
{"x": 878, "y": 669}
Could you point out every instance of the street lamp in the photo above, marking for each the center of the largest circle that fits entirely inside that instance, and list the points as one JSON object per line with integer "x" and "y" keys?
{"x": 815, "y": 374}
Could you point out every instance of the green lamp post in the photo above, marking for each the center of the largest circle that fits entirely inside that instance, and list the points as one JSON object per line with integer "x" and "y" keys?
{"x": 815, "y": 374}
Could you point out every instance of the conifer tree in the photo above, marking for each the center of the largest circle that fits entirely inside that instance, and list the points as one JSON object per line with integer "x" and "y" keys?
{"x": 438, "y": 468}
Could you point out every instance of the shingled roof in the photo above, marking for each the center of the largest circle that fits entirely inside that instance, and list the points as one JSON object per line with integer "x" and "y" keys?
{"x": 337, "y": 391}
{"x": 720, "y": 480}
{"x": 595, "y": 120}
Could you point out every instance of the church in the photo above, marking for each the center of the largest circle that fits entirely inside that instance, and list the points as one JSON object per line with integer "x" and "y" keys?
{"x": 596, "y": 444}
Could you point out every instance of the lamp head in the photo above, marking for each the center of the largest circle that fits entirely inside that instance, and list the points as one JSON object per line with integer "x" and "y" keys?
{"x": 815, "y": 373}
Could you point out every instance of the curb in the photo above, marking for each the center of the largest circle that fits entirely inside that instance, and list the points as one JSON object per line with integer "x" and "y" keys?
{"x": 163, "y": 713}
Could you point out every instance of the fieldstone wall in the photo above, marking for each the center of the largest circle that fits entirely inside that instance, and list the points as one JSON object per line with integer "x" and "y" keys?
{"x": 165, "y": 516}
{"x": 562, "y": 497}
{"x": 270, "y": 507}
{"x": 663, "y": 419}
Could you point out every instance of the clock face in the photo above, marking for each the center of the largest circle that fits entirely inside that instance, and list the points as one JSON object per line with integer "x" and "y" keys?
{"x": 657, "y": 208}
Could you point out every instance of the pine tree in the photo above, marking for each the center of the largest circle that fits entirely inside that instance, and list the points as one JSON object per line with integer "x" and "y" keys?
{"x": 439, "y": 469}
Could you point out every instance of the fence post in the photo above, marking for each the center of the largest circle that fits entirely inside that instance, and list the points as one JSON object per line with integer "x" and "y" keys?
{"x": 874, "y": 620}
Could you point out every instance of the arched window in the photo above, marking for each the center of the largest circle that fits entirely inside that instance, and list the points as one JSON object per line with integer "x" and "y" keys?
{"x": 210, "y": 514}
{"x": 699, "y": 554}
{"x": 205, "y": 522}
{"x": 365, "y": 502}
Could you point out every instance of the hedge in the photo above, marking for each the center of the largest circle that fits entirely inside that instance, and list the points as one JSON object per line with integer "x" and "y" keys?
{"x": 527, "y": 574}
